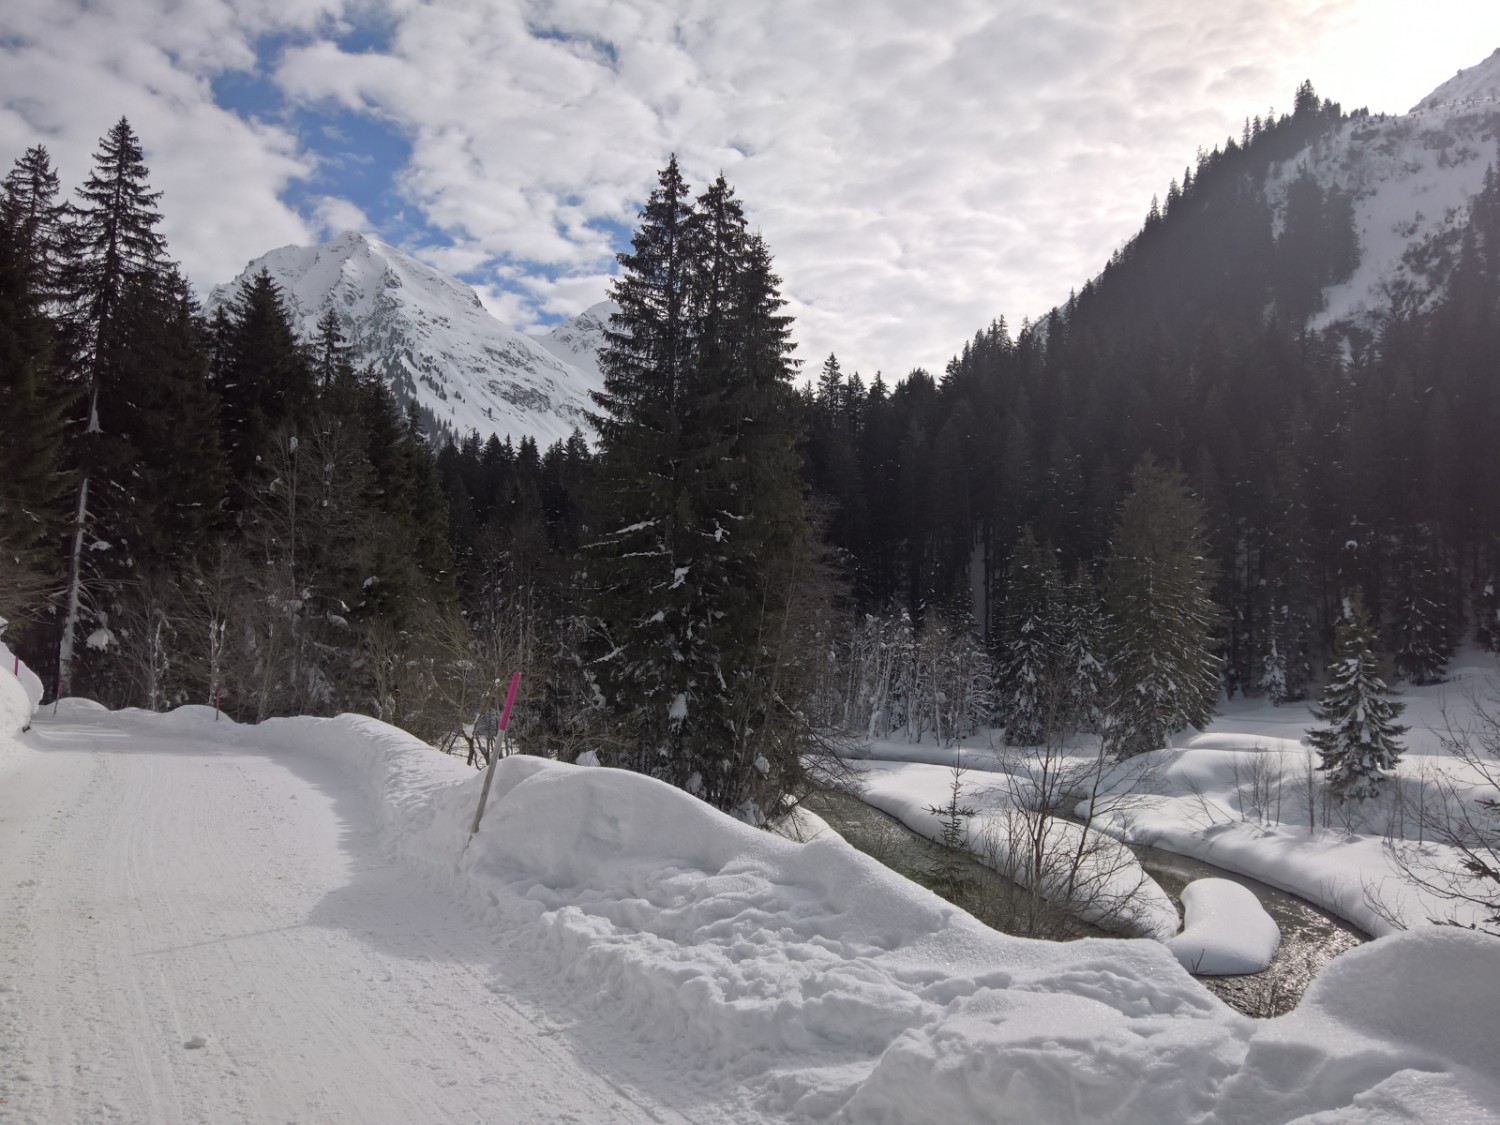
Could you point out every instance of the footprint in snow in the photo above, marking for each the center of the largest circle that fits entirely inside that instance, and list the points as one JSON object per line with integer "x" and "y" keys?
{"x": 196, "y": 1043}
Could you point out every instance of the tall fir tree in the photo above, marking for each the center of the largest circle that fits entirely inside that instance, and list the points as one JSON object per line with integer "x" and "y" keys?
{"x": 1359, "y": 742}
{"x": 698, "y": 505}
{"x": 1163, "y": 673}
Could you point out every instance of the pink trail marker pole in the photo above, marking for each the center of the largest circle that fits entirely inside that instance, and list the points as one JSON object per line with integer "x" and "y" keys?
{"x": 489, "y": 772}
{"x": 510, "y": 698}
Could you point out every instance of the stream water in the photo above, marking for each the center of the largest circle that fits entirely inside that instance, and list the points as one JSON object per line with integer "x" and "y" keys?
{"x": 1310, "y": 937}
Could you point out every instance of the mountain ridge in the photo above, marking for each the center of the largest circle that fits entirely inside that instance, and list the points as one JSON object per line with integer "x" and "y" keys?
{"x": 433, "y": 340}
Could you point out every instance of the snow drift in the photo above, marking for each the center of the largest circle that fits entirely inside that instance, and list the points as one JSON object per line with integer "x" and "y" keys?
{"x": 20, "y": 693}
{"x": 830, "y": 988}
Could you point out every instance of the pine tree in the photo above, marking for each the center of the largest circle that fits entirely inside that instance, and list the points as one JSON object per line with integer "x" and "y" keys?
{"x": 164, "y": 484}
{"x": 1164, "y": 675}
{"x": 1487, "y": 611}
{"x": 1032, "y": 674}
{"x": 1083, "y": 660}
{"x": 263, "y": 379}
{"x": 1421, "y": 630}
{"x": 1360, "y": 741}
{"x": 29, "y": 207}
{"x": 110, "y": 239}
{"x": 33, "y": 403}
{"x": 698, "y": 502}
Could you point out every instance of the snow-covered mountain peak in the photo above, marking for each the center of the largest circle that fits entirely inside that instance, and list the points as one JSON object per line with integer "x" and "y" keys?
{"x": 432, "y": 338}
{"x": 1472, "y": 85}
{"x": 1410, "y": 178}
{"x": 580, "y": 339}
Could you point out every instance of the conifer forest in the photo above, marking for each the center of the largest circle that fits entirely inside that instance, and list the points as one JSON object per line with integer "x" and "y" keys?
{"x": 1166, "y": 490}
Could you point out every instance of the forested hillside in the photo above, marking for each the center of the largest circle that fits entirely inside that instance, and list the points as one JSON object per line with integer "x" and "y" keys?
{"x": 1324, "y": 460}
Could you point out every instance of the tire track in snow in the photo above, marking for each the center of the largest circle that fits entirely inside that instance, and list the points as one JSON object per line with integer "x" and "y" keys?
{"x": 184, "y": 893}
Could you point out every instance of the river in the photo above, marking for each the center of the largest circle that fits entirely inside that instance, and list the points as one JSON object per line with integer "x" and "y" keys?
{"x": 1310, "y": 937}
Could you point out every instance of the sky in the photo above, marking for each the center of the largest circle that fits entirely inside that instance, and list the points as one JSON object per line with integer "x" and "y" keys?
{"x": 918, "y": 169}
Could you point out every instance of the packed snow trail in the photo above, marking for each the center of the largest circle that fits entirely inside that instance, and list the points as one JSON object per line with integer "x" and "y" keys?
{"x": 194, "y": 932}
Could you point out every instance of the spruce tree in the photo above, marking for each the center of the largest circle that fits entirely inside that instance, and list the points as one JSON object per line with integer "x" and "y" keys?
{"x": 110, "y": 239}
{"x": 697, "y": 505}
{"x": 33, "y": 405}
{"x": 263, "y": 378}
{"x": 1083, "y": 658}
{"x": 1359, "y": 742}
{"x": 29, "y": 207}
{"x": 163, "y": 486}
{"x": 1420, "y": 629}
{"x": 1163, "y": 673}
{"x": 1032, "y": 673}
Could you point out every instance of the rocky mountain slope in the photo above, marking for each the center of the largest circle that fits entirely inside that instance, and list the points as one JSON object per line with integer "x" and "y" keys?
{"x": 1411, "y": 177}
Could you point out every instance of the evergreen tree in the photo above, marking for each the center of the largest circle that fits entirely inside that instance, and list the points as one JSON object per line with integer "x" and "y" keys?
{"x": 1359, "y": 742}
{"x": 33, "y": 402}
{"x": 111, "y": 239}
{"x": 29, "y": 207}
{"x": 1163, "y": 673}
{"x": 1083, "y": 658}
{"x": 1487, "y": 610}
{"x": 698, "y": 504}
{"x": 163, "y": 484}
{"x": 1421, "y": 629}
{"x": 263, "y": 379}
{"x": 1032, "y": 673}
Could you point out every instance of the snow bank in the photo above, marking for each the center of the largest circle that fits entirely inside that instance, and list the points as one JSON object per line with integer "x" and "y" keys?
{"x": 1201, "y": 806}
{"x": 1226, "y": 931}
{"x": 1378, "y": 1035}
{"x": 20, "y": 693}
{"x": 821, "y": 986}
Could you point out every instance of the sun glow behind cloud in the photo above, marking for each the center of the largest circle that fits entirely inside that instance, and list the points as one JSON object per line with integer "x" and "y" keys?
{"x": 917, "y": 169}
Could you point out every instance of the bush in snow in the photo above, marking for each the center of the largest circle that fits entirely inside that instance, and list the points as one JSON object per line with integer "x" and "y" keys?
{"x": 1466, "y": 816}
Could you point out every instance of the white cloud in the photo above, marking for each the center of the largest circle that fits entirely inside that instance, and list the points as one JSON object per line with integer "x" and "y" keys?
{"x": 69, "y": 70}
{"x": 331, "y": 215}
{"x": 917, "y": 169}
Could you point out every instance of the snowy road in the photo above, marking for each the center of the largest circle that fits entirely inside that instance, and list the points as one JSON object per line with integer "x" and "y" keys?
{"x": 195, "y": 933}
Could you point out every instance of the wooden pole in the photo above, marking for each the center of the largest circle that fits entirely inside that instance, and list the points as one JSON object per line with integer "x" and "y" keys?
{"x": 489, "y": 771}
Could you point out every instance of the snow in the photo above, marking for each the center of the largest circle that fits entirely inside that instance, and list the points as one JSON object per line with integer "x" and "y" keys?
{"x": 20, "y": 693}
{"x": 1411, "y": 177}
{"x": 910, "y": 791}
{"x": 435, "y": 342}
{"x": 303, "y": 901}
{"x": 579, "y": 340}
{"x": 1226, "y": 930}
{"x": 1237, "y": 796}
{"x": 1472, "y": 84}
